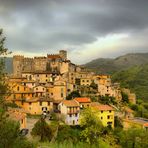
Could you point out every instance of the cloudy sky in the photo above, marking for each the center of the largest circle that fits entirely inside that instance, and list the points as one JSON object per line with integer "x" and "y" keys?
{"x": 87, "y": 29}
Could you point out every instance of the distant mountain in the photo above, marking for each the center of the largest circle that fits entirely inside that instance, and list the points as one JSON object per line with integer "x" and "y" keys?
{"x": 8, "y": 65}
{"x": 110, "y": 66}
{"x": 135, "y": 78}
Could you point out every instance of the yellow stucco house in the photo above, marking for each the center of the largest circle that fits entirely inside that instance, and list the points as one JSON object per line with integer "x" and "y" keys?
{"x": 57, "y": 91}
{"x": 105, "y": 114}
{"x": 19, "y": 91}
{"x": 35, "y": 106}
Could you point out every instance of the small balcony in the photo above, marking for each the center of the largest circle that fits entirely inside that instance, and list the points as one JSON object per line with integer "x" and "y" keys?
{"x": 73, "y": 111}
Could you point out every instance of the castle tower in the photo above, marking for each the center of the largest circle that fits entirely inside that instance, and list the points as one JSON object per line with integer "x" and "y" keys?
{"x": 17, "y": 65}
{"x": 63, "y": 54}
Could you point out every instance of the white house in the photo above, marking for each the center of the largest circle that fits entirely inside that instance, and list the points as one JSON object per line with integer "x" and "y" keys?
{"x": 71, "y": 110}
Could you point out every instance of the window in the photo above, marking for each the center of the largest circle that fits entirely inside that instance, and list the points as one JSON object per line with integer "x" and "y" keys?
{"x": 30, "y": 103}
{"x": 18, "y": 88}
{"x": 108, "y": 117}
{"x": 109, "y": 123}
{"x": 36, "y": 88}
{"x": 101, "y": 118}
{"x": 46, "y": 75}
{"x": 62, "y": 95}
{"x": 101, "y": 111}
{"x": 22, "y": 121}
{"x": 52, "y": 94}
{"x": 110, "y": 111}
{"x": 70, "y": 115}
{"x": 40, "y": 103}
{"x": 76, "y": 115}
{"x": 49, "y": 103}
{"x": 87, "y": 80}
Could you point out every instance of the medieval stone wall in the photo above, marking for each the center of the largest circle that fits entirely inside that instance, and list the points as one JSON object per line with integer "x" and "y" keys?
{"x": 50, "y": 63}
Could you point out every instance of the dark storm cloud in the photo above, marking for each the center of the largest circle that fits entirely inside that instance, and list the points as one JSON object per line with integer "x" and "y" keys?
{"x": 31, "y": 25}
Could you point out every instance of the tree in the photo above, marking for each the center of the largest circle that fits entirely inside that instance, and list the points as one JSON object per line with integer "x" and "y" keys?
{"x": 9, "y": 130}
{"x": 10, "y": 137}
{"x": 91, "y": 126}
{"x": 94, "y": 85}
{"x": 3, "y": 52}
{"x": 67, "y": 133}
{"x": 133, "y": 138}
{"x": 42, "y": 129}
{"x": 72, "y": 95}
{"x": 107, "y": 100}
{"x": 124, "y": 97}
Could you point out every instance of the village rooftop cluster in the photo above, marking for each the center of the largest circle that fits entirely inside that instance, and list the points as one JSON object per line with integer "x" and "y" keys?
{"x": 42, "y": 85}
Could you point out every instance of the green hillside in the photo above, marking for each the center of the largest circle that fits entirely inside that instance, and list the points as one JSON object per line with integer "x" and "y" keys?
{"x": 110, "y": 66}
{"x": 8, "y": 65}
{"x": 135, "y": 78}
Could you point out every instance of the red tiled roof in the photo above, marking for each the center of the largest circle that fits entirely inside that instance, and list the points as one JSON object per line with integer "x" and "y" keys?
{"x": 16, "y": 114}
{"x": 103, "y": 107}
{"x": 83, "y": 100}
{"x": 146, "y": 124}
{"x": 70, "y": 103}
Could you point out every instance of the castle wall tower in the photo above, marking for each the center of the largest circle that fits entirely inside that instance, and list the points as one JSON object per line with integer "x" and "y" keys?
{"x": 40, "y": 63}
{"x": 63, "y": 54}
{"x": 28, "y": 64}
{"x": 17, "y": 65}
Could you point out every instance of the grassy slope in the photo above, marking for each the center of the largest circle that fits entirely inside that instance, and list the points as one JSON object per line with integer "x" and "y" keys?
{"x": 135, "y": 78}
{"x": 123, "y": 62}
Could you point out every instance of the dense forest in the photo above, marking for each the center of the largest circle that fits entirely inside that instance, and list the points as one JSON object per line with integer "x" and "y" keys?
{"x": 135, "y": 78}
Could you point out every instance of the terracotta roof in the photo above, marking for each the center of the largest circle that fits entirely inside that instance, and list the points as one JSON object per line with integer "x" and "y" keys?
{"x": 94, "y": 104}
{"x": 41, "y": 99}
{"x": 83, "y": 100}
{"x": 127, "y": 109}
{"x": 34, "y": 99}
{"x": 146, "y": 124}
{"x": 16, "y": 114}
{"x": 29, "y": 81}
{"x": 70, "y": 103}
{"x": 103, "y": 107}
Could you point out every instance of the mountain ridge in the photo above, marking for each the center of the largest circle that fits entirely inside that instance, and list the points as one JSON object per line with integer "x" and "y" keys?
{"x": 111, "y": 65}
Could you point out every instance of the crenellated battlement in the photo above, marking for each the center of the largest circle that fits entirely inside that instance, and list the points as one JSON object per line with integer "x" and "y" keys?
{"x": 27, "y": 58}
{"x": 40, "y": 57}
{"x": 18, "y": 56}
{"x": 42, "y": 63}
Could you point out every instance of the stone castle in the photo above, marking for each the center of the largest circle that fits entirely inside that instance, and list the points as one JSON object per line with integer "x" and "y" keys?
{"x": 52, "y": 63}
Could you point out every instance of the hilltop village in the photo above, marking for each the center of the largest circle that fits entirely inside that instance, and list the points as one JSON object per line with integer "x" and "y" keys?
{"x": 43, "y": 85}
